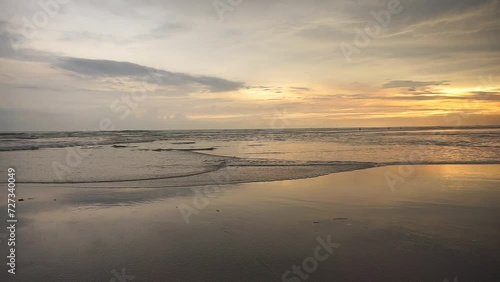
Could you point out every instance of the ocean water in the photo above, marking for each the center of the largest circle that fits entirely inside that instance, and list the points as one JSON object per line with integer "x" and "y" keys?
{"x": 207, "y": 206}
{"x": 200, "y": 157}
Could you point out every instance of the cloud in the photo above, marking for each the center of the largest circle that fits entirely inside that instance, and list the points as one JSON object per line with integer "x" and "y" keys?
{"x": 301, "y": 88}
{"x": 109, "y": 68}
{"x": 486, "y": 95}
{"x": 90, "y": 36}
{"x": 412, "y": 84}
{"x": 94, "y": 52}
{"x": 6, "y": 41}
{"x": 164, "y": 30}
{"x": 469, "y": 96}
{"x": 12, "y": 45}
{"x": 426, "y": 11}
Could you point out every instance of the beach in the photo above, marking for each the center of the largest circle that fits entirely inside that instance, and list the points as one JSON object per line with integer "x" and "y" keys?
{"x": 439, "y": 224}
{"x": 232, "y": 140}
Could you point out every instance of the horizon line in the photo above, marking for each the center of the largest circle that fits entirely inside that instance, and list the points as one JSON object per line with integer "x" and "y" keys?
{"x": 270, "y": 129}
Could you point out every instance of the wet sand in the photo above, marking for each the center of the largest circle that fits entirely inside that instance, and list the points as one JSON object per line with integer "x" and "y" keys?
{"x": 440, "y": 223}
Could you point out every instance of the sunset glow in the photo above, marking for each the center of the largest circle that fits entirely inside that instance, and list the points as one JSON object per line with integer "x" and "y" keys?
{"x": 320, "y": 62}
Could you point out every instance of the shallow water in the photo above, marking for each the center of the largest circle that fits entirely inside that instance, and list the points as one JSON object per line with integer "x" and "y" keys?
{"x": 439, "y": 223}
{"x": 234, "y": 156}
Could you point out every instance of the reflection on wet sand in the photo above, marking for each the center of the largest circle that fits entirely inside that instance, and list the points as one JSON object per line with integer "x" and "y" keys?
{"x": 440, "y": 223}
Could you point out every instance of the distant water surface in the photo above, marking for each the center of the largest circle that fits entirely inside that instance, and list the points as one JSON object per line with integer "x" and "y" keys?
{"x": 186, "y": 157}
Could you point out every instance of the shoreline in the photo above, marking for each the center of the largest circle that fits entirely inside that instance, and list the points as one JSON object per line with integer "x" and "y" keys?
{"x": 160, "y": 183}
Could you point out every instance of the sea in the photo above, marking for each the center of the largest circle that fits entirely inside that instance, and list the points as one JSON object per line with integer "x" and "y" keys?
{"x": 389, "y": 204}
{"x": 182, "y": 156}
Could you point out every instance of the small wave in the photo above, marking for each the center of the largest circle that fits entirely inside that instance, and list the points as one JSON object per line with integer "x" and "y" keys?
{"x": 91, "y": 147}
{"x": 487, "y": 162}
{"x": 426, "y": 136}
{"x": 234, "y": 171}
{"x": 67, "y": 144}
{"x": 120, "y": 146}
{"x": 182, "y": 149}
{"x": 212, "y": 169}
{"x": 18, "y": 148}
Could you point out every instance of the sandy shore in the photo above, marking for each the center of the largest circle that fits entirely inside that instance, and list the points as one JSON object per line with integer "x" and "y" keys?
{"x": 439, "y": 223}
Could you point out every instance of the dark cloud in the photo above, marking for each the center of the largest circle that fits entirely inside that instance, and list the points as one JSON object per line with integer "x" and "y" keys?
{"x": 413, "y": 84}
{"x": 477, "y": 95}
{"x": 301, "y": 88}
{"x": 485, "y": 95}
{"x": 109, "y": 68}
{"x": 467, "y": 96}
{"x": 426, "y": 10}
{"x": 425, "y": 28}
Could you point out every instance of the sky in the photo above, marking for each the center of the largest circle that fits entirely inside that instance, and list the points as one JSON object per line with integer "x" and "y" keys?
{"x": 186, "y": 64}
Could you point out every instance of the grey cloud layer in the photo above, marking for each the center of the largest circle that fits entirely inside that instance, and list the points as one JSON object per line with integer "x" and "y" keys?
{"x": 109, "y": 68}
{"x": 412, "y": 84}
